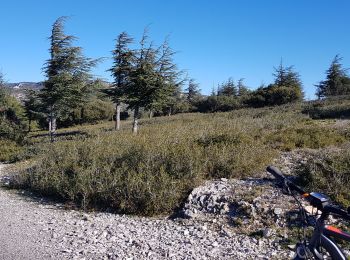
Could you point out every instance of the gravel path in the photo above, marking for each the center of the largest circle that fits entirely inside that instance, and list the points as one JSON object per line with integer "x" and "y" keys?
{"x": 21, "y": 234}
{"x": 30, "y": 229}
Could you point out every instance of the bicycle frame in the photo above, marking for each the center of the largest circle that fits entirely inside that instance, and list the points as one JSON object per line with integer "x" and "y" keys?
{"x": 323, "y": 234}
{"x": 322, "y": 238}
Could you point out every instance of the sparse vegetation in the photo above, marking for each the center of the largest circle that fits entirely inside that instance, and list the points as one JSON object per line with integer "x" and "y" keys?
{"x": 331, "y": 108}
{"x": 153, "y": 172}
{"x": 328, "y": 172}
{"x": 9, "y": 150}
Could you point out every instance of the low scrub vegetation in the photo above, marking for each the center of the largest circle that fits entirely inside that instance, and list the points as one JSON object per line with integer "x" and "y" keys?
{"x": 306, "y": 136}
{"x": 153, "y": 172}
{"x": 328, "y": 172}
{"x": 331, "y": 108}
{"x": 9, "y": 151}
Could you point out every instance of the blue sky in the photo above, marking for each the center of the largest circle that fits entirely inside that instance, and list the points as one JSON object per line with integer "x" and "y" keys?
{"x": 215, "y": 39}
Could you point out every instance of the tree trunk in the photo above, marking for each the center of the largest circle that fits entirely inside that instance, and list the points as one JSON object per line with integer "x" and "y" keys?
{"x": 52, "y": 127}
{"x": 169, "y": 111}
{"x": 150, "y": 114}
{"x": 135, "y": 124}
{"x": 117, "y": 117}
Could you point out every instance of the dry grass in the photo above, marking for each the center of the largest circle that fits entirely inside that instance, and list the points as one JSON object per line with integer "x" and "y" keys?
{"x": 153, "y": 172}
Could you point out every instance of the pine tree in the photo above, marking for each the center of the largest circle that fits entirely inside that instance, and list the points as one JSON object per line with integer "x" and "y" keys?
{"x": 152, "y": 79}
{"x": 169, "y": 79}
{"x": 228, "y": 89}
{"x": 242, "y": 90}
{"x": 287, "y": 86}
{"x": 143, "y": 79}
{"x": 337, "y": 81}
{"x": 123, "y": 58}
{"x": 286, "y": 77}
{"x": 32, "y": 106}
{"x": 67, "y": 73}
{"x": 192, "y": 91}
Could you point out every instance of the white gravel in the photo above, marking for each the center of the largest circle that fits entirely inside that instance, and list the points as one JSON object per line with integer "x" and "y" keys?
{"x": 30, "y": 229}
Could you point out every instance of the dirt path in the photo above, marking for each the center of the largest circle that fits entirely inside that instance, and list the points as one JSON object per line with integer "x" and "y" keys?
{"x": 32, "y": 229}
{"x": 21, "y": 235}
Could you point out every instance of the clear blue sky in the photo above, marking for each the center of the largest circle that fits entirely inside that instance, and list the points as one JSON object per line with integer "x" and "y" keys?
{"x": 215, "y": 39}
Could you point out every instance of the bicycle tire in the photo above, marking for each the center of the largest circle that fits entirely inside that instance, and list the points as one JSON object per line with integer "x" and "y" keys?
{"x": 331, "y": 248}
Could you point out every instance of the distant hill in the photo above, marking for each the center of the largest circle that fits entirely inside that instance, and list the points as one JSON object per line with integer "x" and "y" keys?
{"x": 17, "y": 89}
{"x": 24, "y": 85}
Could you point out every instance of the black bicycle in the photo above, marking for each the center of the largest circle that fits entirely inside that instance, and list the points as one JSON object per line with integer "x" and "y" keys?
{"x": 322, "y": 243}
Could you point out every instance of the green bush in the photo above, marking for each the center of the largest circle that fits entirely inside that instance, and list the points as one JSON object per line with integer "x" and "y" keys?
{"x": 328, "y": 172}
{"x": 91, "y": 112}
{"x": 12, "y": 127}
{"x": 11, "y": 131}
{"x": 153, "y": 172}
{"x": 130, "y": 177}
{"x": 9, "y": 151}
{"x": 273, "y": 95}
{"x": 312, "y": 136}
{"x": 218, "y": 104}
{"x": 322, "y": 110}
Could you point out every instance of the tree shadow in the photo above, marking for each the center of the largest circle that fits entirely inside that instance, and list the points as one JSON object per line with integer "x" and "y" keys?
{"x": 67, "y": 134}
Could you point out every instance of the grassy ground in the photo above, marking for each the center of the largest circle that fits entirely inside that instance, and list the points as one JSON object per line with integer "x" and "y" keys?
{"x": 153, "y": 172}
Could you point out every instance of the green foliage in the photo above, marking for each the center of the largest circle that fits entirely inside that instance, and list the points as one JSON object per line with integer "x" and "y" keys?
{"x": 135, "y": 176}
{"x": 123, "y": 62}
{"x": 221, "y": 103}
{"x": 287, "y": 77}
{"x": 9, "y": 150}
{"x": 228, "y": 97}
{"x": 153, "y": 172}
{"x": 11, "y": 125}
{"x": 228, "y": 88}
{"x": 94, "y": 111}
{"x": 90, "y": 112}
{"x": 278, "y": 95}
{"x": 336, "y": 107}
{"x": 328, "y": 172}
{"x": 152, "y": 80}
{"x": 11, "y": 130}
{"x": 67, "y": 73}
{"x": 306, "y": 136}
{"x": 337, "y": 81}
{"x": 287, "y": 88}
{"x": 243, "y": 91}
{"x": 274, "y": 95}
{"x": 11, "y": 118}
{"x": 32, "y": 106}
{"x": 177, "y": 104}
{"x": 192, "y": 92}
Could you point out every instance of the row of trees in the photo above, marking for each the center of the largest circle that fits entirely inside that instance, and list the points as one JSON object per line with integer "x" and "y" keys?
{"x": 143, "y": 78}
{"x": 146, "y": 78}
{"x": 287, "y": 87}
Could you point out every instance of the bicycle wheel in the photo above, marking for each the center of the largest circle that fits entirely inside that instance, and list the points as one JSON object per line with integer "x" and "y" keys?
{"x": 303, "y": 252}
{"x": 328, "y": 249}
